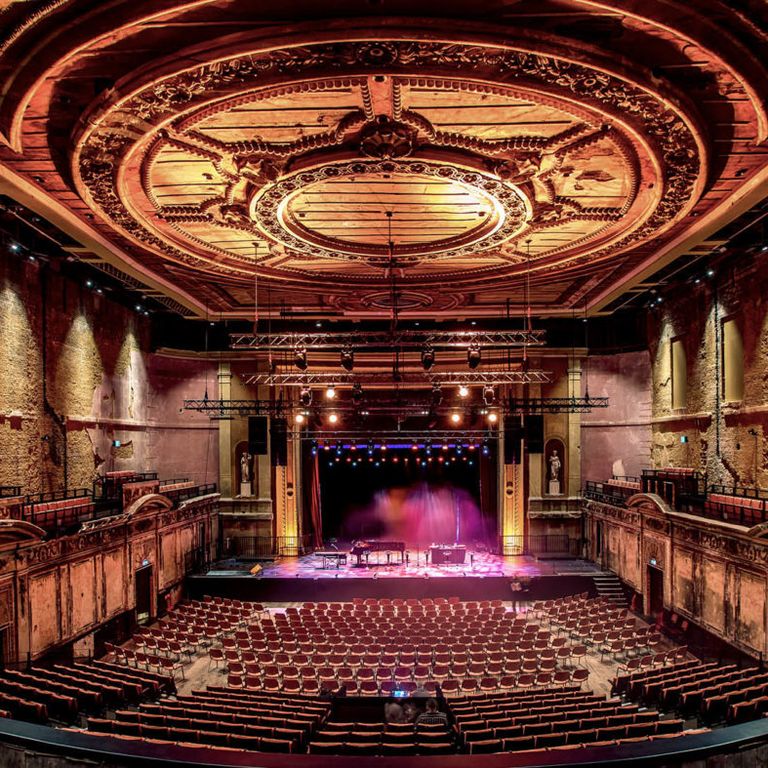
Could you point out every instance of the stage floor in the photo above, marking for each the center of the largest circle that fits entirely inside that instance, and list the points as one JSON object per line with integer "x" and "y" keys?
{"x": 480, "y": 564}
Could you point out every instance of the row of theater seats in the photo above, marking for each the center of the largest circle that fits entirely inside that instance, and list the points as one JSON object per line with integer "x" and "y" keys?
{"x": 223, "y": 718}
{"x": 553, "y": 719}
{"x": 711, "y": 691}
{"x": 62, "y": 692}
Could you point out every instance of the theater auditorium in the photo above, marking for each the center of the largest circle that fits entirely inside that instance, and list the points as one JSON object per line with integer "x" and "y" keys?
{"x": 383, "y": 383}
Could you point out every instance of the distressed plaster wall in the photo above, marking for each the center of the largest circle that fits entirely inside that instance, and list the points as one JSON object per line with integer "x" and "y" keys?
{"x": 718, "y": 433}
{"x": 617, "y": 439}
{"x": 102, "y": 383}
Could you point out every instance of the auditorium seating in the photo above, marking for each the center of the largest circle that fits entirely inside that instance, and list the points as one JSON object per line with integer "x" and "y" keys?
{"x": 62, "y": 692}
{"x": 741, "y": 506}
{"x": 374, "y": 646}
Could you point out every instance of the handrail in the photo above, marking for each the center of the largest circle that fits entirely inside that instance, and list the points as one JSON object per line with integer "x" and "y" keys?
{"x": 71, "y": 744}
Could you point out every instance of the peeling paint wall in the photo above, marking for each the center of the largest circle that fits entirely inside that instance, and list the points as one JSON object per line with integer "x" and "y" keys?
{"x": 102, "y": 383}
{"x": 719, "y": 434}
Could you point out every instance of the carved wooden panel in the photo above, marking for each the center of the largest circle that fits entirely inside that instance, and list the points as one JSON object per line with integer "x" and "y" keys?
{"x": 203, "y": 151}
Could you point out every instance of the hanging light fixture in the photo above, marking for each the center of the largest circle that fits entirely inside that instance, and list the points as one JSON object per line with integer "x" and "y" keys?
{"x": 463, "y": 391}
{"x": 330, "y": 393}
{"x": 347, "y": 358}
{"x": 437, "y": 394}
{"x": 305, "y": 396}
{"x": 473, "y": 356}
{"x": 357, "y": 393}
{"x": 427, "y": 357}
{"x": 489, "y": 395}
{"x": 300, "y": 358}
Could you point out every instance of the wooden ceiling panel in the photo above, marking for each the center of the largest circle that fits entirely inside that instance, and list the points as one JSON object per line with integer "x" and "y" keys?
{"x": 322, "y": 149}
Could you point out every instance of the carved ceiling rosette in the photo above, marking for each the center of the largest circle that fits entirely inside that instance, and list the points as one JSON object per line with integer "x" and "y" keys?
{"x": 193, "y": 164}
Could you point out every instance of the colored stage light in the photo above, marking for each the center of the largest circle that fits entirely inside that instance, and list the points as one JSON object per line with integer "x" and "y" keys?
{"x": 489, "y": 395}
{"x": 305, "y": 397}
{"x": 463, "y": 391}
{"x": 333, "y": 418}
{"x": 493, "y": 417}
{"x": 473, "y": 356}
{"x": 427, "y": 358}
{"x": 330, "y": 393}
{"x": 455, "y": 418}
{"x": 299, "y": 418}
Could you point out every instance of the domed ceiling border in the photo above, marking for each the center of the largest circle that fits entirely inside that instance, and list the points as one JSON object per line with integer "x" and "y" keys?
{"x": 113, "y": 130}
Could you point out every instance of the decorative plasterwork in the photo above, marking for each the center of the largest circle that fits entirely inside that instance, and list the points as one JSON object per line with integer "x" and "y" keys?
{"x": 606, "y": 137}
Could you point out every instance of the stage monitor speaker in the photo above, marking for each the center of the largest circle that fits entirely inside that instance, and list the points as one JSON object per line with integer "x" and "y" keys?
{"x": 257, "y": 435}
{"x": 513, "y": 434}
{"x": 278, "y": 432}
{"x": 534, "y": 433}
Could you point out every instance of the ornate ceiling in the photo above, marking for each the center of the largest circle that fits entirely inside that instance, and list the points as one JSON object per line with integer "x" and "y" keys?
{"x": 217, "y": 150}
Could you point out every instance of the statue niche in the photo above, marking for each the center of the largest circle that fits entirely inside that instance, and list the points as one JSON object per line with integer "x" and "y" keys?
{"x": 554, "y": 467}
{"x": 244, "y": 469}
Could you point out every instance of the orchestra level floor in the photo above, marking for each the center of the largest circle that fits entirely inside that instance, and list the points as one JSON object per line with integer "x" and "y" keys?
{"x": 478, "y": 564}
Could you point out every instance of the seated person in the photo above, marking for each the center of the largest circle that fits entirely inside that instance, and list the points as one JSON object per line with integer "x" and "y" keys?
{"x": 432, "y": 715}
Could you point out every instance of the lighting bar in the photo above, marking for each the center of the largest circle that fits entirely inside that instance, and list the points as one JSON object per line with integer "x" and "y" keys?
{"x": 404, "y": 438}
{"x": 376, "y": 340}
{"x": 553, "y": 404}
{"x": 385, "y": 378}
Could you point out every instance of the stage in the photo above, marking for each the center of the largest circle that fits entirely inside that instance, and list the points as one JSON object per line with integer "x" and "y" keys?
{"x": 483, "y": 576}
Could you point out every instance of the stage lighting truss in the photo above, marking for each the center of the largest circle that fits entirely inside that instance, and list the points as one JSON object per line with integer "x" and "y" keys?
{"x": 384, "y": 378}
{"x": 413, "y": 406}
{"x": 435, "y": 437}
{"x": 372, "y": 341}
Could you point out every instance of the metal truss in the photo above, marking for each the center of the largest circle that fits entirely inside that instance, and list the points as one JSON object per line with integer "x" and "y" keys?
{"x": 378, "y": 340}
{"x": 387, "y": 379}
{"x": 553, "y": 404}
{"x": 363, "y": 439}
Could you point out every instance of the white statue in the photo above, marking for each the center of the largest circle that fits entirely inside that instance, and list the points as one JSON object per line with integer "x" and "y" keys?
{"x": 245, "y": 467}
{"x": 554, "y": 466}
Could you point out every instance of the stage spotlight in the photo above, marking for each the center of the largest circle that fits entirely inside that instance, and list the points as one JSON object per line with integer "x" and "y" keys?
{"x": 305, "y": 397}
{"x": 300, "y": 358}
{"x": 463, "y": 391}
{"x": 427, "y": 357}
{"x": 357, "y": 393}
{"x": 493, "y": 417}
{"x": 437, "y": 394}
{"x": 347, "y": 359}
{"x": 455, "y": 418}
{"x": 299, "y": 418}
{"x": 333, "y": 418}
{"x": 330, "y": 393}
{"x": 489, "y": 395}
{"x": 473, "y": 356}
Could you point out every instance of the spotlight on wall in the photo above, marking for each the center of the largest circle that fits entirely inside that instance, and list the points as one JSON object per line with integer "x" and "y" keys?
{"x": 347, "y": 359}
{"x": 463, "y": 391}
{"x": 357, "y": 393}
{"x": 489, "y": 395}
{"x": 473, "y": 356}
{"x": 300, "y": 358}
{"x": 330, "y": 393}
{"x": 305, "y": 396}
{"x": 427, "y": 357}
{"x": 455, "y": 417}
{"x": 333, "y": 418}
{"x": 437, "y": 394}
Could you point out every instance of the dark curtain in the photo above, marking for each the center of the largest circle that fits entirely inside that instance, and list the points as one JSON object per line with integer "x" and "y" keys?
{"x": 314, "y": 504}
{"x": 488, "y": 498}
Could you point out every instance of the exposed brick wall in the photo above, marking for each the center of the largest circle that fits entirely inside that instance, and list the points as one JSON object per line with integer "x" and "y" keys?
{"x": 718, "y": 433}
{"x": 102, "y": 383}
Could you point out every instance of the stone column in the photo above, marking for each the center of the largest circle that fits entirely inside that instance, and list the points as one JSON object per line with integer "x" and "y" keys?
{"x": 573, "y": 481}
{"x": 226, "y": 473}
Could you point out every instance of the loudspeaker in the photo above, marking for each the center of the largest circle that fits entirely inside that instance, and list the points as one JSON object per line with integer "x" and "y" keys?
{"x": 257, "y": 435}
{"x": 278, "y": 433}
{"x": 534, "y": 433}
{"x": 513, "y": 434}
